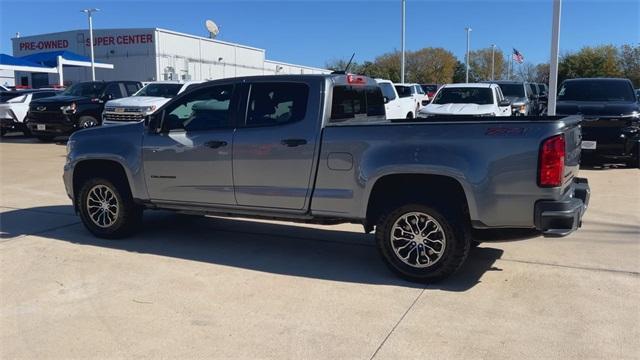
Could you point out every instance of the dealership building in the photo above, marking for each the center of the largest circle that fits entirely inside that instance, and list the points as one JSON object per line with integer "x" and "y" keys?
{"x": 149, "y": 54}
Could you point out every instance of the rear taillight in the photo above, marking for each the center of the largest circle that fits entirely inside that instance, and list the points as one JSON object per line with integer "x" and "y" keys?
{"x": 552, "y": 155}
{"x": 356, "y": 79}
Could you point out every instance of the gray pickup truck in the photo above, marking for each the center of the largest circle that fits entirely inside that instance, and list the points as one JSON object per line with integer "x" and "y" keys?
{"x": 319, "y": 149}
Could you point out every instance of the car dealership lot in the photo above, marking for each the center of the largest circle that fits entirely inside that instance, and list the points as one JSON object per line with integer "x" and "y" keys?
{"x": 200, "y": 287}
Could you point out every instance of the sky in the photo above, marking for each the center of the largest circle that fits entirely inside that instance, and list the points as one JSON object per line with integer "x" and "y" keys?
{"x": 314, "y": 32}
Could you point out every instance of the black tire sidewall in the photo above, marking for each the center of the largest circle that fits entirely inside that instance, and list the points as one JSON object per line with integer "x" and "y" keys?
{"x": 84, "y": 119}
{"x": 128, "y": 214}
{"x": 456, "y": 248}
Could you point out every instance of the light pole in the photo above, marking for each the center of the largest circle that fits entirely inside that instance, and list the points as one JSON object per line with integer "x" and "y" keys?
{"x": 468, "y": 30}
{"x": 493, "y": 61}
{"x": 553, "y": 64}
{"x": 402, "y": 45}
{"x": 93, "y": 64}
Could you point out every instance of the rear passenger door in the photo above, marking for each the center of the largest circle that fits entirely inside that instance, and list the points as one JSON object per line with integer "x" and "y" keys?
{"x": 275, "y": 146}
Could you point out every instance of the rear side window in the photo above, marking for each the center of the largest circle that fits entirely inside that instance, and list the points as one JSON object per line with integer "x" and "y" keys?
{"x": 387, "y": 91}
{"x": 131, "y": 88}
{"x": 403, "y": 91}
{"x": 277, "y": 103}
{"x": 356, "y": 101}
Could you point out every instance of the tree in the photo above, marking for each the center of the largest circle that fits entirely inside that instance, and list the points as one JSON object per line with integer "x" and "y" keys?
{"x": 459, "y": 73}
{"x": 599, "y": 61}
{"x": 542, "y": 73}
{"x": 431, "y": 65}
{"x": 526, "y": 72}
{"x": 630, "y": 63}
{"x": 480, "y": 64}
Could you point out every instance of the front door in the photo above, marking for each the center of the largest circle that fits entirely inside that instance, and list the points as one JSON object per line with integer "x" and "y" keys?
{"x": 190, "y": 159}
{"x": 274, "y": 147}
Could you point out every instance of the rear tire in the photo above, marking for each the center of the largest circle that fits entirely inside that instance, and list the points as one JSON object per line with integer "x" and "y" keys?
{"x": 415, "y": 256}
{"x": 410, "y": 115}
{"x": 107, "y": 209}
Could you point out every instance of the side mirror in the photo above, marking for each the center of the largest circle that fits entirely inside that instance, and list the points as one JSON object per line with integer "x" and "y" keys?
{"x": 154, "y": 122}
{"x": 504, "y": 102}
{"x": 386, "y": 99}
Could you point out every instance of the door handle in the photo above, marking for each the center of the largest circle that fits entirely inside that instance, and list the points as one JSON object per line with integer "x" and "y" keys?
{"x": 293, "y": 142}
{"x": 215, "y": 144}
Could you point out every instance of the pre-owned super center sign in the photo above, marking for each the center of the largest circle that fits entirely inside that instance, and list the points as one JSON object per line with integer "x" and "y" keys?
{"x": 128, "y": 39}
{"x": 132, "y": 41}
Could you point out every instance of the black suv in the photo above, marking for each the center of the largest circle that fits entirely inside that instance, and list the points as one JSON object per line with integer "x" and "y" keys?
{"x": 80, "y": 106}
{"x": 611, "y": 126}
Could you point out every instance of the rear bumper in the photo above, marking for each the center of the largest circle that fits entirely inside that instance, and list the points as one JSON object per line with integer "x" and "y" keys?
{"x": 562, "y": 217}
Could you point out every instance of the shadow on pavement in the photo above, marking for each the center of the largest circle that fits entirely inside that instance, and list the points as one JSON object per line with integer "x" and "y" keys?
{"x": 325, "y": 254}
{"x": 19, "y": 138}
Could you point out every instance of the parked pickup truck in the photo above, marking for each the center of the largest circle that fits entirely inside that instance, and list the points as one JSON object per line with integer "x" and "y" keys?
{"x": 611, "y": 111}
{"x": 79, "y": 107}
{"x": 147, "y": 100}
{"x": 319, "y": 149}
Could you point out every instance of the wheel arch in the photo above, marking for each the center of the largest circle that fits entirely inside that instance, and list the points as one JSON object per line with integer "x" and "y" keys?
{"x": 110, "y": 169}
{"x": 397, "y": 187}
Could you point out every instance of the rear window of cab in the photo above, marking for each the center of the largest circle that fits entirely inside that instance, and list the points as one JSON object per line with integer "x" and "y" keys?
{"x": 350, "y": 102}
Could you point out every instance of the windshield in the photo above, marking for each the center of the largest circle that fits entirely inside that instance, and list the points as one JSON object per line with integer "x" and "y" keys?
{"x": 480, "y": 96}
{"x": 429, "y": 88}
{"x": 403, "y": 91}
{"x": 87, "y": 89}
{"x": 513, "y": 90}
{"x": 596, "y": 90}
{"x": 160, "y": 90}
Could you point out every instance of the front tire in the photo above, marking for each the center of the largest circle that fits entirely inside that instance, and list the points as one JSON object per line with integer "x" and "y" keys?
{"x": 107, "y": 209}
{"x": 86, "y": 122}
{"x": 422, "y": 243}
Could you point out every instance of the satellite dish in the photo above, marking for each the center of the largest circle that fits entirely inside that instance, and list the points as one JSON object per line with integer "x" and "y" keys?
{"x": 212, "y": 28}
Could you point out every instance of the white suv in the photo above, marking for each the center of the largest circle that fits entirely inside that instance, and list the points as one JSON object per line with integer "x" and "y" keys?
{"x": 413, "y": 92}
{"x": 396, "y": 106}
{"x": 144, "y": 102}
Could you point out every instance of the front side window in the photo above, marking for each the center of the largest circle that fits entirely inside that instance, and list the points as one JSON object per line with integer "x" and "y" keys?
{"x": 131, "y": 88}
{"x": 113, "y": 91}
{"x": 480, "y": 96}
{"x": 205, "y": 109}
{"x": 419, "y": 90}
{"x": 277, "y": 103}
{"x": 356, "y": 101}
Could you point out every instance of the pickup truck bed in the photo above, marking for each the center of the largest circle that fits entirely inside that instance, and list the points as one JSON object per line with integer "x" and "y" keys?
{"x": 422, "y": 185}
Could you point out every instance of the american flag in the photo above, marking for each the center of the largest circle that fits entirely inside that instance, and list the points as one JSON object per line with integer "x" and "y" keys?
{"x": 517, "y": 56}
